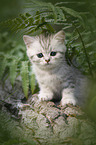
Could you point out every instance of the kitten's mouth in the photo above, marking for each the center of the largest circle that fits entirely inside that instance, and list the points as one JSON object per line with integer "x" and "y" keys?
{"x": 47, "y": 66}
{"x": 47, "y": 63}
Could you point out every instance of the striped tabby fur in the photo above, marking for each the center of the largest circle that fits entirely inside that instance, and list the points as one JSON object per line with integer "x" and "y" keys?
{"x": 57, "y": 80}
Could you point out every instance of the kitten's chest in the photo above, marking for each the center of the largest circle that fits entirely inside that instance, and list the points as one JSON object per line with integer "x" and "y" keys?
{"x": 53, "y": 81}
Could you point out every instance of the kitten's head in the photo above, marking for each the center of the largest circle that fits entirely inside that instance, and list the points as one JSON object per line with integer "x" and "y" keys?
{"x": 46, "y": 52}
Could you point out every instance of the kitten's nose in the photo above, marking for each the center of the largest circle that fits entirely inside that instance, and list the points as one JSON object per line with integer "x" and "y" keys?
{"x": 47, "y": 60}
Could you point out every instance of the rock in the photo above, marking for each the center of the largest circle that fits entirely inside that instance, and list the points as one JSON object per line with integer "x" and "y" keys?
{"x": 46, "y": 122}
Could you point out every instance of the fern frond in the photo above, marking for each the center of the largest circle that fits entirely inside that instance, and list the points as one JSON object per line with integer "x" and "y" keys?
{"x": 13, "y": 71}
{"x": 25, "y": 77}
{"x": 28, "y": 24}
{"x": 70, "y": 2}
{"x": 31, "y": 22}
{"x": 21, "y": 22}
{"x": 43, "y": 16}
{"x": 32, "y": 82}
{"x": 53, "y": 9}
{"x": 3, "y": 64}
{"x": 61, "y": 14}
{"x": 71, "y": 12}
{"x": 84, "y": 50}
{"x": 90, "y": 44}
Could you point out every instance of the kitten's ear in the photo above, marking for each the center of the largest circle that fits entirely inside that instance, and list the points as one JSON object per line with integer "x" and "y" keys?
{"x": 60, "y": 36}
{"x": 28, "y": 40}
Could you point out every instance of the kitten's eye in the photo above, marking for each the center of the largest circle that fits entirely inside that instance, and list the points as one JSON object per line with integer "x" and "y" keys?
{"x": 53, "y": 53}
{"x": 40, "y": 55}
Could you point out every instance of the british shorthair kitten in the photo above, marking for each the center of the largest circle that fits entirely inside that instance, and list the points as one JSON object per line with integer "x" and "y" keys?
{"x": 57, "y": 79}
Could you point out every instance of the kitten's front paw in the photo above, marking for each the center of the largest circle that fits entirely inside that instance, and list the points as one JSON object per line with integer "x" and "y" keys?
{"x": 65, "y": 101}
{"x": 45, "y": 96}
{"x": 68, "y": 97}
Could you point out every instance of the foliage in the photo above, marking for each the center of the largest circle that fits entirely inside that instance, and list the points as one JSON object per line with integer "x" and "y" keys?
{"x": 11, "y": 133}
{"x": 10, "y": 55}
{"x": 80, "y": 34}
{"x": 25, "y": 79}
{"x": 13, "y": 70}
{"x": 14, "y": 62}
{"x": 32, "y": 82}
{"x": 39, "y": 16}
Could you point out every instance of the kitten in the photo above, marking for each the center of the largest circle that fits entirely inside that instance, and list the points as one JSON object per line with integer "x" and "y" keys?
{"x": 55, "y": 77}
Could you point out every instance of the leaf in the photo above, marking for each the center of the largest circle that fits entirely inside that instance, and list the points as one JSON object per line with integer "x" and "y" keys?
{"x": 92, "y": 106}
{"x": 49, "y": 27}
{"x": 70, "y": 2}
{"x": 29, "y": 19}
{"x": 37, "y": 18}
{"x": 54, "y": 11}
{"x": 30, "y": 30}
{"x": 3, "y": 64}
{"x": 25, "y": 77}
{"x": 32, "y": 82}
{"x": 90, "y": 44}
{"x": 13, "y": 71}
{"x": 61, "y": 14}
{"x": 71, "y": 12}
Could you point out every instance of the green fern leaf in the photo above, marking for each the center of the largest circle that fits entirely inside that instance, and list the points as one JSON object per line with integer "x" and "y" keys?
{"x": 32, "y": 82}
{"x": 70, "y": 2}
{"x": 37, "y": 18}
{"x": 54, "y": 11}
{"x": 29, "y": 19}
{"x": 49, "y": 27}
{"x": 21, "y": 22}
{"x": 13, "y": 71}
{"x": 71, "y": 12}
{"x": 25, "y": 77}
{"x": 90, "y": 44}
{"x": 67, "y": 27}
{"x": 61, "y": 14}
{"x": 3, "y": 64}
{"x": 30, "y": 30}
